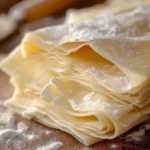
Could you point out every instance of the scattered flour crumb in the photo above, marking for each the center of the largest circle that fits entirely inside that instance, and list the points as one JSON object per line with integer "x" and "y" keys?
{"x": 8, "y": 133}
{"x": 113, "y": 146}
{"x": 10, "y": 130}
{"x": 7, "y": 117}
{"x": 138, "y": 135}
{"x": 52, "y": 146}
{"x": 31, "y": 137}
{"x": 22, "y": 127}
{"x": 48, "y": 132}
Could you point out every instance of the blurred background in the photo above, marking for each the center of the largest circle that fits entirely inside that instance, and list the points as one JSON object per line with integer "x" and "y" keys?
{"x": 18, "y": 17}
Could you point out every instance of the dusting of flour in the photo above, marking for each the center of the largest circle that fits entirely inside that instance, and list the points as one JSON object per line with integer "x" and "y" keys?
{"x": 138, "y": 135}
{"x": 11, "y": 132}
{"x": 48, "y": 132}
{"x": 10, "y": 129}
{"x": 55, "y": 145}
{"x": 22, "y": 127}
{"x": 6, "y": 117}
{"x": 30, "y": 137}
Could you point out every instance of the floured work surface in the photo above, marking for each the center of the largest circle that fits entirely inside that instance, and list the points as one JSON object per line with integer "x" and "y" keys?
{"x": 39, "y": 135}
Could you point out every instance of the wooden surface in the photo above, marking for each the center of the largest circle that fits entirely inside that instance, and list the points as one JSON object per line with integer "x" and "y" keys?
{"x": 70, "y": 143}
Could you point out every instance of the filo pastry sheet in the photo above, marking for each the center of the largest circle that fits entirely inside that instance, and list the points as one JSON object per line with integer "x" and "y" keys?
{"x": 91, "y": 79}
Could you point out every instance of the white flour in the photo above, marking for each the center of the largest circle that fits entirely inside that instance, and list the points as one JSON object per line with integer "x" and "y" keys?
{"x": 138, "y": 135}
{"x": 52, "y": 146}
{"x": 48, "y": 132}
{"x": 31, "y": 137}
{"x": 6, "y": 117}
{"x": 22, "y": 127}
{"x": 9, "y": 130}
{"x": 9, "y": 133}
{"x": 113, "y": 147}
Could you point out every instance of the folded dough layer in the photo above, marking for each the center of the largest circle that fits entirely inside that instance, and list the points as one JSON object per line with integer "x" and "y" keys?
{"x": 90, "y": 79}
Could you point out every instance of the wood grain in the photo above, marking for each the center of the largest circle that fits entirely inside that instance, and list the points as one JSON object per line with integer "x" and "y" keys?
{"x": 70, "y": 143}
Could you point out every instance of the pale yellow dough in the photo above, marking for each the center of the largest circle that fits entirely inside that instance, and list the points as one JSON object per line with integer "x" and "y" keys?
{"x": 91, "y": 80}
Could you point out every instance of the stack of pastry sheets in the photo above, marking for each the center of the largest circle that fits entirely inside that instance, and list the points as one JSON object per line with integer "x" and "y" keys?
{"x": 91, "y": 79}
